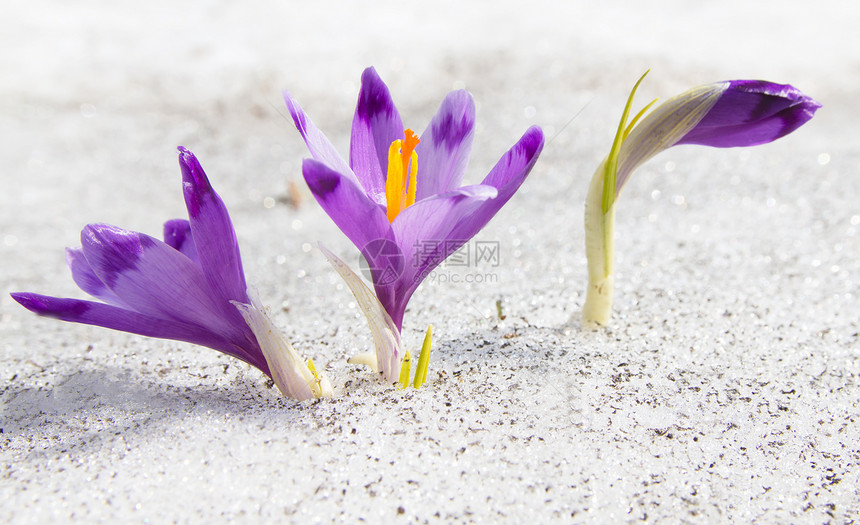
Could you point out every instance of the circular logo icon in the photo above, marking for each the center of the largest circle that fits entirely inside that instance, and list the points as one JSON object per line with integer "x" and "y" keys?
{"x": 381, "y": 258}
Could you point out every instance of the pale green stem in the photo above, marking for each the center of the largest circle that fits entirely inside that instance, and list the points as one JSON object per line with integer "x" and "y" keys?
{"x": 600, "y": 251}
{"x": 600, "y": 225}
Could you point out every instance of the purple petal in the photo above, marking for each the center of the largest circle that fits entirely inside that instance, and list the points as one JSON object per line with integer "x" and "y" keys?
{"x": 318, "y": 144}
{"x": 358, "y": 217}
{"x": 87, "y": 280}
{"x": 506, "y": 176}
{"x": 213, "y": 232}
{"x": 107, "y": 316}
{"x": 177, "y": 235}
{"x": 432, "y": 221}
{"x": 156, "y": 280}
{"x": 443, "y": 152}
{"x": 752, "y": 112}
{"x": 375, "y": 126}
{"x": 424, "y": 234}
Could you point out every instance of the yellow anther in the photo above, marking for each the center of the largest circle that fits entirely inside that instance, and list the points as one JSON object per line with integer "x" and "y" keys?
{"x": 393, "y": 182}
{"x": 413, "y": 181}
{"x": 401, "y": 182}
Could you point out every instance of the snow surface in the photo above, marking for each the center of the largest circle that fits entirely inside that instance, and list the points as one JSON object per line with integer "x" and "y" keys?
{"x": 726, "y": 389}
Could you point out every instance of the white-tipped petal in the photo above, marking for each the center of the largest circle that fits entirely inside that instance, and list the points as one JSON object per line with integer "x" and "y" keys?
{"x": 290, "y": 372}
{"x": 386, "y": 336}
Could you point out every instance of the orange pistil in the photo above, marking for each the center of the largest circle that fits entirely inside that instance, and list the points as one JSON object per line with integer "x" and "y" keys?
{"x": 401, "y": 182}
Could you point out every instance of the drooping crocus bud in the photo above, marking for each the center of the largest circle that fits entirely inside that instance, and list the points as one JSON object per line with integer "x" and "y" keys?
{"x": 723, "y": 115}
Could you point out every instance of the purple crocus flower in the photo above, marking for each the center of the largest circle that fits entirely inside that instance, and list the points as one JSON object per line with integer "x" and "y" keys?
{"x": 191, "y": 287}
{"x": 724, "y": 114}
{"x": 399, "y": 199}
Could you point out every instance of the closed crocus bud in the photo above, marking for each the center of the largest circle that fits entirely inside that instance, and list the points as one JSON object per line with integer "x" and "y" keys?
{"x": 723, "y": 115}
{"x": 751, "y": 112}
{"x": 727, "y": 114}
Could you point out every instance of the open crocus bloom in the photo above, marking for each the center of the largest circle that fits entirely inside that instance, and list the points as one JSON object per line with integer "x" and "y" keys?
{"x": 723, "y": 115}
{"x": 399, "y": 198}
{"x": 191, "y": 287}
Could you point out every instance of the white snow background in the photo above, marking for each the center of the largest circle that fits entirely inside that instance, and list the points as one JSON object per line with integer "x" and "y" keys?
{"x": 725, "y": 390}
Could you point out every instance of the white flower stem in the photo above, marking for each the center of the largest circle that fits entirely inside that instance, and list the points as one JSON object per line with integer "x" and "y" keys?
{"x": 600, "y": 251}
{"x": 388, "y": 352}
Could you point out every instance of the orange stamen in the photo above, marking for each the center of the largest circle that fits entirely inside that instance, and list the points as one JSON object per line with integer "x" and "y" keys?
{"x": 407, "y": 147}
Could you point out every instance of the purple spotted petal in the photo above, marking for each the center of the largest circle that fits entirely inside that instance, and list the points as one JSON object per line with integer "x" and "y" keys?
{"x": 358, "y": 217}
{"x": 183, "y": 289}
{"x": 443, "y": 152}
{"x": 752, "y": 112}
{"x": 423, "y": 232}
{"x": 375, "y": 126}
{"x": 177, "y": 235}
{"x": 151, "y": 277}
{"x": 507, "y": 176}
{"x": 433, "y": 220}
{"x": 116, "y": 318}
{"x": 87, "y": 280}
{"x": 318, "y": 144}
{"x": 211, "y": 227}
